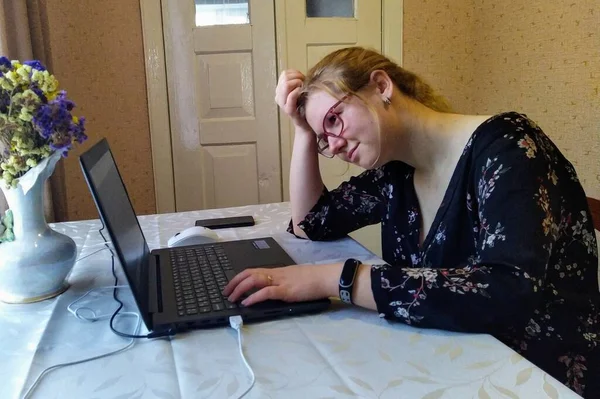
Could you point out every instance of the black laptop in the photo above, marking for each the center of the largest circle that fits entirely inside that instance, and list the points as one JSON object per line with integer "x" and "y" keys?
{"x": 180, "y": 288}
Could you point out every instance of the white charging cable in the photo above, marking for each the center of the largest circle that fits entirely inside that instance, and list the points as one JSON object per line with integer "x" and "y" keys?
{"x": 93, "y": 253}
{"x": 99, "y": 243}
{"x": 236, "y": 323}
{"x": 57, "y": 366}
{"x": 75, "y": 311}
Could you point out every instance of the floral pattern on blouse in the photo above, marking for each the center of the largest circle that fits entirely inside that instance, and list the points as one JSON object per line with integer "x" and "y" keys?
{"x": 511, "y": 251}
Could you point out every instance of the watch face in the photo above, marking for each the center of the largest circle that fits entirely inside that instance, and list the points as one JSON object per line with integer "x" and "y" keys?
{"x": 345, "y": 296}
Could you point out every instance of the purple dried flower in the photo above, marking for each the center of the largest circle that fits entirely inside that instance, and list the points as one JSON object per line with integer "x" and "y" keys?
{"x": 4, "y": 101}
{"x": 43, "y": 121}
{"x": 78, "y": 130}
{"x": 39, "y": 93}
{"x": 61, "y": 141}
{"x": 5, "y": 62}
{"x": 55, "y": 124}
{"x": 35, "y": 64}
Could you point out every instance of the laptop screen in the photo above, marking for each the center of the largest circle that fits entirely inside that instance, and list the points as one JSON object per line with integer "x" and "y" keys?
{"x": 117, "y": 213}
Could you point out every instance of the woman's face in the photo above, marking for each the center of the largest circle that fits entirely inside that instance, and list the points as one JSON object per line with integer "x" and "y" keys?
{"x": 347, "y": 128}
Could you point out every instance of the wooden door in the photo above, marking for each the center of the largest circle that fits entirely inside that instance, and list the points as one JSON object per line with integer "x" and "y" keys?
{"x": 221, "y": 74}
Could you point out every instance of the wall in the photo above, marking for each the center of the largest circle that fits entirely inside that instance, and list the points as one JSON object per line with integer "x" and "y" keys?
{"x": 438, "y": 45}
{"x": 95, "y": 50}
{"x": 536, "y": 57}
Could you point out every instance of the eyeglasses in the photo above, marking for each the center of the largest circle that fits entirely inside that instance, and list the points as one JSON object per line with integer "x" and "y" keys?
{"x": 333, "y": 126}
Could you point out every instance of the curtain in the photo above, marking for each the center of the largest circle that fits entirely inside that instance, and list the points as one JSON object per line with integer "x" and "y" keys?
{"x": 21, "y": 38}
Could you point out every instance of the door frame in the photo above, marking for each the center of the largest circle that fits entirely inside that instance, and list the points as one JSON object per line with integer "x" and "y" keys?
{"x": 157, "y": 90}
{"x": 158, "y": 105}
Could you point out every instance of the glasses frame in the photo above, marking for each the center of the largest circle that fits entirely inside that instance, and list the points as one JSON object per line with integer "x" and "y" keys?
{"x": 325, "y": 135}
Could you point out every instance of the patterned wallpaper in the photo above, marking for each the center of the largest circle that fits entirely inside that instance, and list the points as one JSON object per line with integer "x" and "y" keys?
{"x": 96, "y": 51}
{"x": 438, "y": 45}
{"x": 535, "y": 57}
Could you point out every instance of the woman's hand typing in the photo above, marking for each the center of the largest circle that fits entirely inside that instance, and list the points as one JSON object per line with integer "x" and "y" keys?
{"x": 291, "y": 284}
{"x": 298, "y": 283}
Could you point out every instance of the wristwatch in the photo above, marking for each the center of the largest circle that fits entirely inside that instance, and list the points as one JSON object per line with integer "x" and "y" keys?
{"x": 347, "y": 279}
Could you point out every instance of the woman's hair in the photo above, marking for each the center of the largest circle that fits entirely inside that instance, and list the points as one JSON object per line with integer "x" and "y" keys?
{"x": 348, "y": 70}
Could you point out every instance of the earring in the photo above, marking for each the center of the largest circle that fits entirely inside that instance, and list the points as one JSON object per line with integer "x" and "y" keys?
{"x": 387, "y": 101}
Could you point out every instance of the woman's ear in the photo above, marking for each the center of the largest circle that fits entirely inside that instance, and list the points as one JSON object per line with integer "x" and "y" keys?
{"x": 383, "y": 83}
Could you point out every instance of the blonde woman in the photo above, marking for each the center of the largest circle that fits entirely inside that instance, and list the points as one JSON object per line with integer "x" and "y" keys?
{"x": 485, "y": 226}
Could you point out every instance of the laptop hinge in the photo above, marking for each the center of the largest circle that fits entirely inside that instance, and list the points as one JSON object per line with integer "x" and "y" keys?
{"x": 155, "y": 287}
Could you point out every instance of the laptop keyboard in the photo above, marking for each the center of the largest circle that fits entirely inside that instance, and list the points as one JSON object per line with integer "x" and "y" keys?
{"x": 199, "y": 276}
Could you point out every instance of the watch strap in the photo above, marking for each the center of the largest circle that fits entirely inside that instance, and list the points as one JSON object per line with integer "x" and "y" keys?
{"x": 347, "y": 279}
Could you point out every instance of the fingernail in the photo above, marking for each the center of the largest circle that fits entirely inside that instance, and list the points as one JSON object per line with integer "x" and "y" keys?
{"x": 244, "y": 302}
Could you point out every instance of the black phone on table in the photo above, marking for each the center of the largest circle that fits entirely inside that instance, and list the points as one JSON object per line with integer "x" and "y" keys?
{"x": 223, "y": 223}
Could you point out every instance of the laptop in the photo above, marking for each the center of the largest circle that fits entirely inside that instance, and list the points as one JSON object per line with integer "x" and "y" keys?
{"x": 179, "y": 288}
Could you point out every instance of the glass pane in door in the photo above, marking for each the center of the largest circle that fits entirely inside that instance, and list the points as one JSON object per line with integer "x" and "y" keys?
{"x": 221, "y": 12}
{"x": 330, "y": 8}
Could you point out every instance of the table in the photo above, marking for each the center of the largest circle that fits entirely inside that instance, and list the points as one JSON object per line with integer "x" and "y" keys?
{"x": 341, "y": 353}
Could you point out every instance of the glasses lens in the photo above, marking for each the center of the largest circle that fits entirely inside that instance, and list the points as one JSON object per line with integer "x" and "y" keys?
{"x": 333, "y": 124}
{"x": 323, "y": 147}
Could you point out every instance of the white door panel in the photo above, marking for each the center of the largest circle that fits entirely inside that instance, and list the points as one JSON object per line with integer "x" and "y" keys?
{"x": 229, "y": 170}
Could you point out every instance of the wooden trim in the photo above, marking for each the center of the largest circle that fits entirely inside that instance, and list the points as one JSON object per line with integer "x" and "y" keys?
{"x": 188, "y": 159}
{"x": 392, "y": 29}
{"x": 594, "y": 205}
{"x": 264, "y": 51}
{"x": 286, "y": 136}
{"x": 158, "y": 105}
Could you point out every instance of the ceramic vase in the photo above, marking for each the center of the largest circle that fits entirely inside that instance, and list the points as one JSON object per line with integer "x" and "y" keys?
{"x": 34, "y": 266}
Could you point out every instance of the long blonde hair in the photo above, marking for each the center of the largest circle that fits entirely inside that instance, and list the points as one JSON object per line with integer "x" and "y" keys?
{"x": 348, "y": 70}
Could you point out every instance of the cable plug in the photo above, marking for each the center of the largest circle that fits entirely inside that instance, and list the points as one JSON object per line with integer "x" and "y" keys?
{"x": 236, "y": 322}
{"x": 158, "y": 334}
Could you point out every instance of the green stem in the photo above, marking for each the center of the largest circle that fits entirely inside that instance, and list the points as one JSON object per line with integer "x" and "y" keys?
{"x": 11, "y": 103}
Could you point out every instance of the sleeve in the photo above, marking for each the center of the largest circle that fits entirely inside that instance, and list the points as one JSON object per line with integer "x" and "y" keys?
{"x": 499, "y": 287}
{"x": 356, "y": 203}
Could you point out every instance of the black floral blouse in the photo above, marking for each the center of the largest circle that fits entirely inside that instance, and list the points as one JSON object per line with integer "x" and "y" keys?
{"x": 511, "y": 252}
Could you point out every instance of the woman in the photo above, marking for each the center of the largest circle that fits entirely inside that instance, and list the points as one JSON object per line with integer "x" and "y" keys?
{"x": 485, "y": 227}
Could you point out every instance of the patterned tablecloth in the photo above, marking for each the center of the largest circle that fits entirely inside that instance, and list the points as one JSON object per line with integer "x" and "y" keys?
{"x": 343, "y": 352}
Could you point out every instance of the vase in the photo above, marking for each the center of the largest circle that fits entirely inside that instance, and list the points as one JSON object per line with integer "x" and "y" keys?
{"x": 34, "y": 266}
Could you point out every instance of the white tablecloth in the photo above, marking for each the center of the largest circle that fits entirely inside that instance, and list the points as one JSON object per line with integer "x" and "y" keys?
{"x": 343, "y": 352}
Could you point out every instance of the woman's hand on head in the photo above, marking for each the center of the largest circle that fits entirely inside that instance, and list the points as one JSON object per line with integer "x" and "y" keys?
{"x": 290, "y": 284}
{"x": 287, "y": 92}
